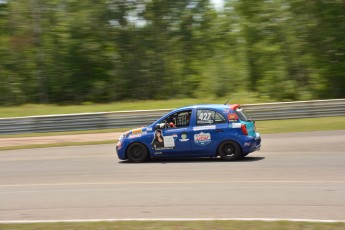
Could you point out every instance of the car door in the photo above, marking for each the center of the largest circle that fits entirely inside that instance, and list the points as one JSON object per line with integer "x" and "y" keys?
{"x": 174, "y": 138}
{"x": 208, "y": 131}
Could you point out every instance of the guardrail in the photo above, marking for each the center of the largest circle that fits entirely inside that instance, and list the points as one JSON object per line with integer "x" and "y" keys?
{"x": 89, "y": 121}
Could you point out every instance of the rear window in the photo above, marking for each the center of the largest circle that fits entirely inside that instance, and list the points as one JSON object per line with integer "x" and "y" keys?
{"x": 242, "y": 115}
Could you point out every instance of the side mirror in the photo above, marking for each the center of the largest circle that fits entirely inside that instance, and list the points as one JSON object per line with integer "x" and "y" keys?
{"x": 160, "y": 126}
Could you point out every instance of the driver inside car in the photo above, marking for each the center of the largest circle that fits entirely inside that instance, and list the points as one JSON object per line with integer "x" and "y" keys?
{"x": 172, "y": 123}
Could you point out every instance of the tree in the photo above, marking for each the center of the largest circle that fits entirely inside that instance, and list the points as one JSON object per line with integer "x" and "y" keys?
{"x": 109, "y": 50}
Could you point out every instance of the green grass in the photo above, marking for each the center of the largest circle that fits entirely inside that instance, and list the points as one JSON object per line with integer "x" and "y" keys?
{"x": 263, "y": 127}
{"x": 180, "y": 225}
{"x": 36, "y": 109}
{"x": 301, "y": 125}
{"x": 34, "y": 146}
{"x": 66, "y": 133}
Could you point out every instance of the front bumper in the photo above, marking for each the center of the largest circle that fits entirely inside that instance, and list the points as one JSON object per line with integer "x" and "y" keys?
{"x": 120, "y": 151}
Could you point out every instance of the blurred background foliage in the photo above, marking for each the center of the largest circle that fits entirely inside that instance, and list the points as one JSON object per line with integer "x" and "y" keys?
{"x": 71, "y": 51}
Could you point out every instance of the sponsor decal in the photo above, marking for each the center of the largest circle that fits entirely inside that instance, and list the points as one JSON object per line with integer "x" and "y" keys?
{"x": 134, "y": 136}
{"x": 235, "y": 125}
{"x": 163, "y": 148}
{"x": 232, "y": 117}
{"x": 205, "y": 122}
{"x": 204, "y": 127}
{"x": 158, "y": 153}
{"x": 169, "y": 142}
{"x": 246, "y": 144}
{"x": 184, "y": 137}
{"x": 202, "y": 138}
{"x": 148, "y": 129}
{"x": 161, "y": 142}
{"x": 205, "y": 118}
{"x": 174, "y": 130}
{"x": 137, "y": 131}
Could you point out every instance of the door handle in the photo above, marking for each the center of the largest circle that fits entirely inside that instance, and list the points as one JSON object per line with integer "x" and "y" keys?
{"x": 219, "y": 130}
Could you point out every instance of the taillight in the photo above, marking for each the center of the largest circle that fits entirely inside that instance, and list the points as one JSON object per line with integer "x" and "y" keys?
{"x": 244, "y": 129}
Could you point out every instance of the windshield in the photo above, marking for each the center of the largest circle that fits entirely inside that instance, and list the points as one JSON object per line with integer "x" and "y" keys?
{"x": 242, "y": 115}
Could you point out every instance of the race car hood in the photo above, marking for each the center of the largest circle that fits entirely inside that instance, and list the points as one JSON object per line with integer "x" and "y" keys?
{"x": 137, "y": 131}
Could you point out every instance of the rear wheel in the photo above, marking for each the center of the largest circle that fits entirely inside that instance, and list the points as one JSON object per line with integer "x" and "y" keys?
{"x": 244, "y": 155}
{"x": 229, "y": 151}
{"x": 137, "y": 152}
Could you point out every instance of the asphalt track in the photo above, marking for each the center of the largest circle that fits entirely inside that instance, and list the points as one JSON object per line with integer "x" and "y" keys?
{"x": 297, "y": 176}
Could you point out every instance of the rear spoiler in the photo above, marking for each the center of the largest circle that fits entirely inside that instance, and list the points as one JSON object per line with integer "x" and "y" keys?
{"x": 235, "y": 106}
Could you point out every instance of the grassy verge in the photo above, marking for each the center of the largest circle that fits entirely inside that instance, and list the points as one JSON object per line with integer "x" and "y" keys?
{"x": 301, "y": 125}
{"x": 58, "y": 145}
{"x": 65, "y": 133}
{"x": 180, "y": 225}
{"x": 264, "y": 127}
{"x": 37, "y": 109}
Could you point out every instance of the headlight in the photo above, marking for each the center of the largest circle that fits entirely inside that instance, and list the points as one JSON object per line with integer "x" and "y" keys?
{"x": 122, "y": 137}
{"x": 119, "y": 145}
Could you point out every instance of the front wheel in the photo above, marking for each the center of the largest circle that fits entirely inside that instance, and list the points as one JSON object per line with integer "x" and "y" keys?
{"x": 229, "y": 151}
{"x": 137, "y": 153}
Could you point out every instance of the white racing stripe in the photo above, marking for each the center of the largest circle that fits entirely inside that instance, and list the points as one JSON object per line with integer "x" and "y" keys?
{"x": 168, "y": 219}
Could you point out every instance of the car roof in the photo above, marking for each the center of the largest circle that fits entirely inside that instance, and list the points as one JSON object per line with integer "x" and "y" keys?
{"x": 208, "y": 106}
{"x": 218, "y": 107}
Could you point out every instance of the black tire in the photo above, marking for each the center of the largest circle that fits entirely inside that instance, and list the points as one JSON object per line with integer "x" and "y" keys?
{"x": 245, "y": 154}
{"x": 229, "y": 151}
{"x": 137, "y": 153}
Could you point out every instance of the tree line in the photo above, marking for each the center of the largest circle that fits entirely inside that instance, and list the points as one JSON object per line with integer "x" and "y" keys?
{"x": 70, "y": 51}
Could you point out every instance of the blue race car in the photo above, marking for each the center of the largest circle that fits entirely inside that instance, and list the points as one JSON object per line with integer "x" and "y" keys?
{"x": 193, "y": 131}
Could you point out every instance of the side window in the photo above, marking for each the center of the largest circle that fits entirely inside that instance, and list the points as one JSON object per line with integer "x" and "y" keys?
{"x": 180, "y": 119}
{"x": 205, "y": 117}
{"x": 219, "y": 118}
{"x": 242, "y": 114}
{"x": 183, "y": 118}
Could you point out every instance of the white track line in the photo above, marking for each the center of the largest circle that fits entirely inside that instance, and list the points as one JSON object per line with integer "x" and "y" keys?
{"x": 165, "y": 182}
{"x": 167, "y": 219}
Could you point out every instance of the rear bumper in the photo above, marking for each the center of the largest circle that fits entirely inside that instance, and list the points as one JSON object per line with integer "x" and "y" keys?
{"x": 258, "y": 141}
{"x": 252, "y": 144}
